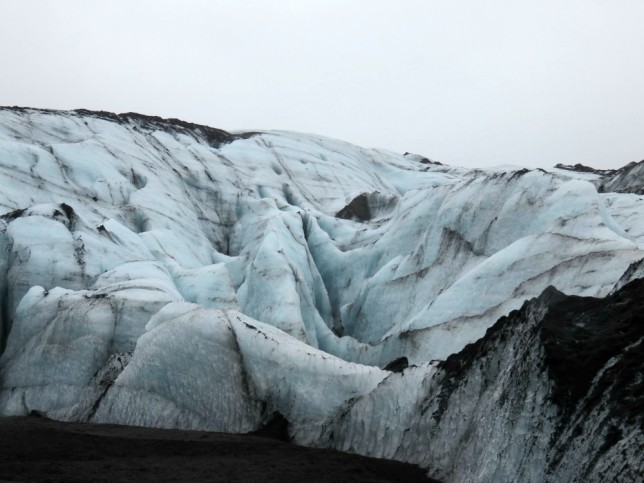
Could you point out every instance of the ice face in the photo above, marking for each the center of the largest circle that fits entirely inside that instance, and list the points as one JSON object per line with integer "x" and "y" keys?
{"x": 149, "y": 275}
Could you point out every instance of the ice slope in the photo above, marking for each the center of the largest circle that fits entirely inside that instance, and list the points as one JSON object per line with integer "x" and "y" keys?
{"x": 160, "y": 273}
{"x": 519, "y": 405}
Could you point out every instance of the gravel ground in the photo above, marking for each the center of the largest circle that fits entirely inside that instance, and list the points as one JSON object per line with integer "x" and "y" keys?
{"x": 37, "y": 449}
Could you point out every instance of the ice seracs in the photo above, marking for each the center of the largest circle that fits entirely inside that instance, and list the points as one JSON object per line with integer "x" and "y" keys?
{"x": 160, "y": 273}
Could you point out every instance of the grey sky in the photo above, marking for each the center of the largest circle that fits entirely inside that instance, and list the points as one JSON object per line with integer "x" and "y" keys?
{"x": 473, "y": 83}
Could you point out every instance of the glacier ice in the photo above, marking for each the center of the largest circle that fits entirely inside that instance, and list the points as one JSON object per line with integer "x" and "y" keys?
{"x": 159, "y": 273}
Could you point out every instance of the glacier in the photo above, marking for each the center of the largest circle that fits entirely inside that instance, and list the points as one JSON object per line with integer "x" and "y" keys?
{"x": 159, "y": 273}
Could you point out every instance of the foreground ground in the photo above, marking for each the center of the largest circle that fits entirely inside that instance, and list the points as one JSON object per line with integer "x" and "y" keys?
{"x": 37, "y": 449}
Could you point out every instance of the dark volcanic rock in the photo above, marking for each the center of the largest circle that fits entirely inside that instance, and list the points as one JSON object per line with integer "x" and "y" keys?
{"x": 571, "y": 366}
{"x": 368, "y": 206}
{"x": 581, "y": 334}
{"x": 358, "y": 208}
{"x": 397, "y": 365}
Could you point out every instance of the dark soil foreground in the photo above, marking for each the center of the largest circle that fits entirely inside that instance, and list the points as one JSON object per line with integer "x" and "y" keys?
{"x": 37, "y": 449}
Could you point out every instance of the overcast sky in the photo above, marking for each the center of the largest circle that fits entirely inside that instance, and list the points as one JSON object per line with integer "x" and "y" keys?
{"x": 471, "y": 83}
